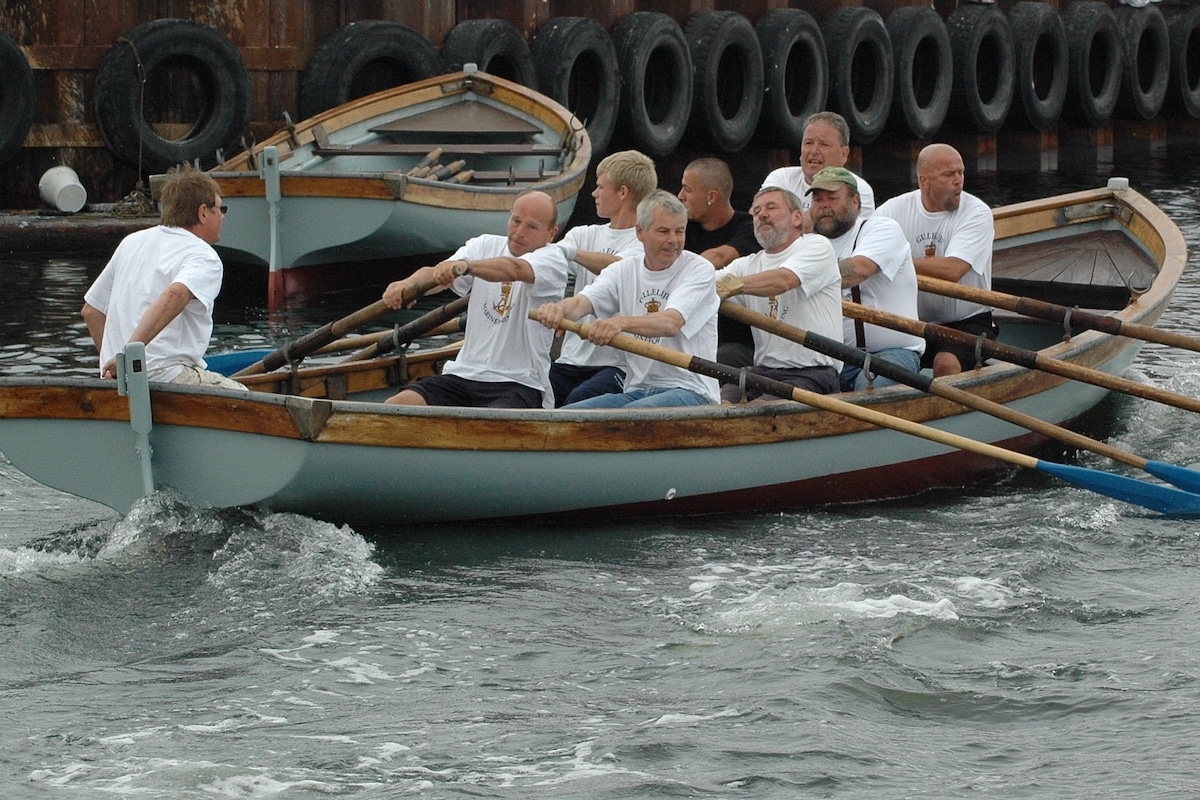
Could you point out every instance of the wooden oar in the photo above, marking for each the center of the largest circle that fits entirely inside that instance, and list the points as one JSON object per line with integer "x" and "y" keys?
{"x": 420, "y": 326}
{"x": 1029, "y": 307}
{"x": 306, "y": 344}
{"x": 1148, "y": 495}
{"x": 1019, "y": 356}
{"x": 1182, "y": 477}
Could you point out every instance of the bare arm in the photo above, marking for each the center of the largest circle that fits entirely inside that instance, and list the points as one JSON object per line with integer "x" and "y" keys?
{"x": 856, "y": 269}
{"x": 95, "y": 321}
{"x": 945, "y": 267}
{"x": 595, "y": 262}
{"x": 161, "y": 312}
{"x": 660, "y": 323}
{"x": 574, "y": 307}
{"x": 769, "y": 283}
{"x": 721, "y": 255}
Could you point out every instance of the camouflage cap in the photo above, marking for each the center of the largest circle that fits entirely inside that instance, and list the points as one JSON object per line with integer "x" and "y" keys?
{"x": 829, "y": 178}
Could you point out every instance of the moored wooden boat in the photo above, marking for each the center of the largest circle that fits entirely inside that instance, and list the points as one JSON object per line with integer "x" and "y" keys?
{"x": 409, "y": 171}
{"x": 310, "y": 442}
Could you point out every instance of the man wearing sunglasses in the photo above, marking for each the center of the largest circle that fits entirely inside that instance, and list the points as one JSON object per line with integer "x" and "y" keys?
{"x": 160, "y": 284}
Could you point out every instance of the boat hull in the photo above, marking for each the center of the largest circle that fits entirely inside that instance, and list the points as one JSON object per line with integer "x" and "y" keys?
{"x": 346, "y": 186}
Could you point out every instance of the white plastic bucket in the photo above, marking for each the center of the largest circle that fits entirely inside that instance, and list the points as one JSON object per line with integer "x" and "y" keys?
{"x": 60, "y": 188}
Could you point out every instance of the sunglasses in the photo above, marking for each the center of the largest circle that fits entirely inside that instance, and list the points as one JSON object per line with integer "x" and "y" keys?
{"x": 224, "y": 209}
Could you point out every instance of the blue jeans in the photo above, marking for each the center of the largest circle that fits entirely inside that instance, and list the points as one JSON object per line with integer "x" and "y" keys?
{"x": 644, "y": 398}
{"x": 572, "y": 384}
{"x": 853, "y": 379}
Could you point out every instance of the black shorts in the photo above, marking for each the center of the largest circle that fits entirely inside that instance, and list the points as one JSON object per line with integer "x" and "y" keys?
{"x": 978, "y": 325}
{"x": 451, "y": 390}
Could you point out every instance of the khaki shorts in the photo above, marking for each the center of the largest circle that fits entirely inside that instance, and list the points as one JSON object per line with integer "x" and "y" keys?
{"x": 194, "y": 376}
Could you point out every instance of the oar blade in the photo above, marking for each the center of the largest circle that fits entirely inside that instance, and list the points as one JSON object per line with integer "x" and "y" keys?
{"x": 1164, "y": 499}
{"x": 1182, "y": 477}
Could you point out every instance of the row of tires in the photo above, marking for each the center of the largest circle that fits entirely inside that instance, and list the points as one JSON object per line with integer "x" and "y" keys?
{"x": 718, "y": 79}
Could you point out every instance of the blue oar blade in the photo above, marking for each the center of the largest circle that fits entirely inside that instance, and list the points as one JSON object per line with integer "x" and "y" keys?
{"x": 1182, "y": 477}
{"x": 1164, "y": 499}
{"x": 229, "y": 363}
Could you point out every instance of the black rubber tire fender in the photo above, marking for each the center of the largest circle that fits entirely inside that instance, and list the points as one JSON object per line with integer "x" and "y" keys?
{"x": 1183, "y": 92}
{"x": 362, "y": 58}
{"x": 17, "y": 97}
{"x": 727, "y": 78}
{"x": 795, "y": 74}
{"x": 1146, "y": 58}
{"x": 576, "y": 64}
{"x": 220, "y": 76}
{"x": 1040, "y": 44}
{"x": 861, "y": 69}
{"x": 493, "y": 45}
{"x": 656, "y": 86}
{"x": 984, "y": 68}
{"x": 924, "y": 70}
{"x": 1093, "y": 63}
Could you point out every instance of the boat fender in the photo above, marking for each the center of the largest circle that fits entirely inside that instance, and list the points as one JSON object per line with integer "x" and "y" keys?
{"x": 495, "y": 46}
{"x": 142, "y": 70}
{"x": 861, "y": 69}
{"x": 1183, "y": 92}
{"x": 576, "y": 64}
{"x": 727, "y": 78}
{"x": 362, "y": 58}
{"x": 1146, "y": 57}
{"x": 984, "y": 68}
{"x": 17, "y": 100}
{"x": 924, "y": 70}
{"x": 795, "y": 74}
{"x": 1093, "y": 63}
{"x": 656, "y": 86}
{"x": 1040, "y": 43}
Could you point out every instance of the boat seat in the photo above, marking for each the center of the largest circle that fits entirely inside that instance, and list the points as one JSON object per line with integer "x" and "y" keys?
{"x": 327, "y": 149}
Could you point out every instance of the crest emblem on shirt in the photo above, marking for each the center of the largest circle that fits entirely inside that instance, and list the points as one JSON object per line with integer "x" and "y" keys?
{"x": 773, "y": 307}
{"x": 503, "y": 305}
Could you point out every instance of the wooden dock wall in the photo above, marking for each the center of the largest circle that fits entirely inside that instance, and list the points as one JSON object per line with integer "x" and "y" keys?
{"x": 66, "y": 40}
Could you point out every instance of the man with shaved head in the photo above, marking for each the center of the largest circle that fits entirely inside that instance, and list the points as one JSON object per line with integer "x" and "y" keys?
{"x": 950, "y": 233}
{"x": 505, "y": 358}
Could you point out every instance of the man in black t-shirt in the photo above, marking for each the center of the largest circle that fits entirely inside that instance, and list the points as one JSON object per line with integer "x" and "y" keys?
{"x": 720, "y": 234}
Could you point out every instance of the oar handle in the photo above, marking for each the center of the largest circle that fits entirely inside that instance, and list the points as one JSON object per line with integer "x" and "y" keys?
{"x": 1019, "y": 356}
{"x": 1040, "y": 309}
{"x": 310, "y": 342}
{"x": 412, "y": 330}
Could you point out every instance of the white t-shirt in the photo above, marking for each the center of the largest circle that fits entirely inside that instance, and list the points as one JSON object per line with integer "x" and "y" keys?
{"x": 815, "y": 305}
{"x": 621, "y": 242}
{"x": 141, "y": 268}
{"x": 792, "y": 178}
{"x": 502, "y": 344}
{"x": 628, "y": 288}
{"x": 966, "y": 233}
{"x": 893, "y": 288}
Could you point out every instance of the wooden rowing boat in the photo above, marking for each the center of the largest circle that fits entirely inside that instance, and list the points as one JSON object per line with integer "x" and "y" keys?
{"x": 310, "y": 440}
{"x": 409, "y": 171}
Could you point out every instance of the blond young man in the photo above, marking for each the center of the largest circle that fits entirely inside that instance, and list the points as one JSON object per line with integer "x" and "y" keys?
{"x": 623, "y": 179}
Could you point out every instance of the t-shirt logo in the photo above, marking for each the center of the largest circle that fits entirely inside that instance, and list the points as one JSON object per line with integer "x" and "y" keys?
{"x": 502, "y": 306}
{"x": 773, "y": 306}
{"x": 652, "y": 305}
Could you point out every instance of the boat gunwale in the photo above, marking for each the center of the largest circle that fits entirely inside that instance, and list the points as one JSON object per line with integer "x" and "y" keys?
{"x": 542, "y": 107}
